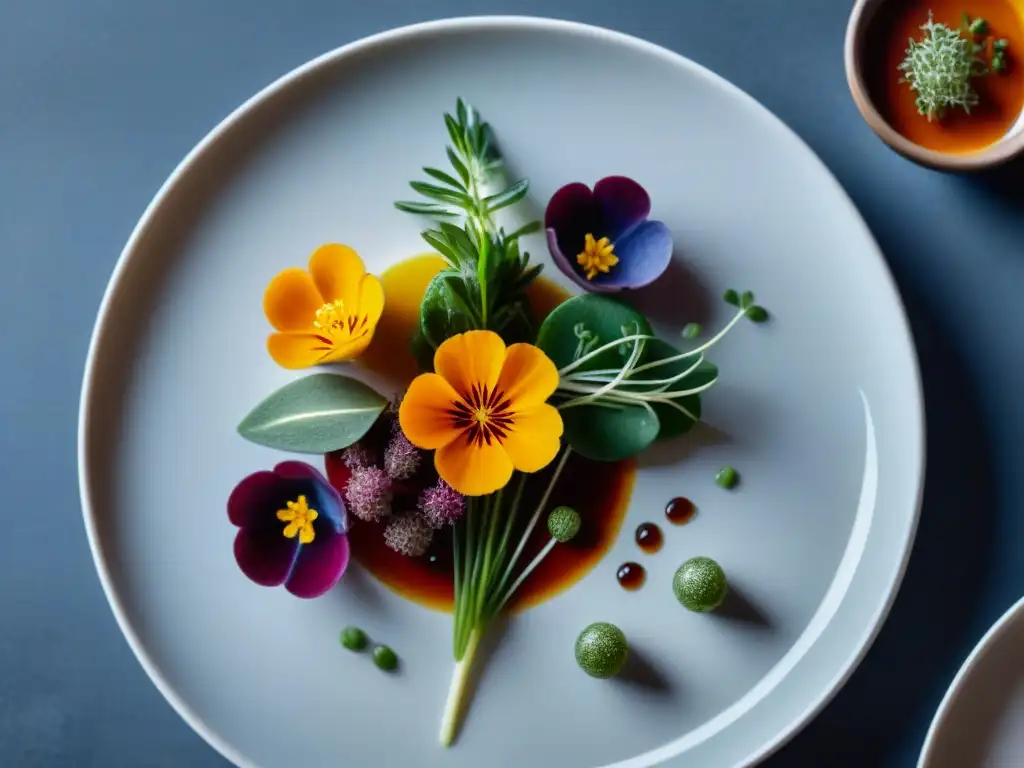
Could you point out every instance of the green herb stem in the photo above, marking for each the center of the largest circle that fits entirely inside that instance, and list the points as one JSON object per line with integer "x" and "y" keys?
{"x": 452, "y": 716}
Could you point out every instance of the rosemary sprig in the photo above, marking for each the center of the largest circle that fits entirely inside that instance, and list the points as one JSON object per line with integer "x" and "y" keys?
{"x": 494, "y": 272}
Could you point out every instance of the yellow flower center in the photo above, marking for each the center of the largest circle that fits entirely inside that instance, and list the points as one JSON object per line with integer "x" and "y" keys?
{"x": 597, "y": 256}
{"x": 300, "y": 519}
{"x": 484, "y": 416}
{"x": 335, "y": 323}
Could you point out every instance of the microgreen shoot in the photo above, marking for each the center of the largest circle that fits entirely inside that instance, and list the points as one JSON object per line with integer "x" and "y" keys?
{"x": 622, "y": 387}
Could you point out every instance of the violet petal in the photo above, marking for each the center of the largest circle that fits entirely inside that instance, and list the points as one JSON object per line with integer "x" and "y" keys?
{"x": 265, "y": 555}
{"x": 644, "y": 254}
{"x": 622, "y": 204}
{"x": 299, "y": 470}
{"x": 571, "y": 213}
{"x": 320, "y": 564}
{"x": 256, "y": 496}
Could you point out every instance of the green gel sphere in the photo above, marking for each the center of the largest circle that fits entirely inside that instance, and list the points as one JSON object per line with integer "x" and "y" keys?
{"x": 385, "y": 658}
{"x": 601, "y": 650}
{"x": 353, "y": 638}
{"x": 700, "y": 584}
{"x": 564, "y": 523}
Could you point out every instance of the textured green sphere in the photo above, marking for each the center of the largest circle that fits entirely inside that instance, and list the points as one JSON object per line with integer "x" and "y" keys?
{"x": 385, "y": 658}
{"x": 353, "y": 638}
{"x": 700, "y": 584}
{"x": 564, "y": 523}
{"x": 601, "y": 650}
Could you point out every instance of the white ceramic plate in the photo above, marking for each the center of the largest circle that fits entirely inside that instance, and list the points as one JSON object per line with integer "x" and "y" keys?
{"x": 820, "y": 410}
{"x": 980, "y": 722}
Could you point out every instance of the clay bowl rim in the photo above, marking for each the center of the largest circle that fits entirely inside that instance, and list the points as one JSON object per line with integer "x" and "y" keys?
{"x": 1006, "y": 149}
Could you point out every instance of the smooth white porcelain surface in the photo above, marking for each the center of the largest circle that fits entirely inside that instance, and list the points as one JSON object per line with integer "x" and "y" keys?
{"x": 820, "y": 410}
{"x": 980, "y": 722}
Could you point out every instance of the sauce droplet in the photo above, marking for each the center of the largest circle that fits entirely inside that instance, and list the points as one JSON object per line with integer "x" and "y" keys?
{"x": 680, "y": 510}
{"x": 648, "y": 537}
{"x": 631, "y": 576}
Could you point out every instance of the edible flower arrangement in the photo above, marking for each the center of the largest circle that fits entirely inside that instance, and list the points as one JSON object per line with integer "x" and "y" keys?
{"x": 500, "y": 404}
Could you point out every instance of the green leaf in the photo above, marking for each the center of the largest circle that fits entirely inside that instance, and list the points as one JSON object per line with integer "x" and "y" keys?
{"x": 436, "y": 241}
{"x": 673, "y": 422}
{"x": 460, "y": 111}
{"x": 441, "y": 194}
{"x": 731, "y": 297}
{"x": 607, "y": 434}
{"x": 757, "y": 314}
{"x": 600, "y": 315}
{"x": 445, "y": 310}
{"x": 425, "y": 209}
{"x": 510, "y": 196}
{"x": 747, "y": 300}
{"x": 526, "y": 229}
{"x": 445, "y": 178}
{"x": 455, "y": 133}
{"x": 316, "y": 414}
{"x": 458, "y": 165}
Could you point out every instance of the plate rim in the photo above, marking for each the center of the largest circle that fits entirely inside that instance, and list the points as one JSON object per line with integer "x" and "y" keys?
{"x": 974, "y": 659}
{"x": 465, "y": 24}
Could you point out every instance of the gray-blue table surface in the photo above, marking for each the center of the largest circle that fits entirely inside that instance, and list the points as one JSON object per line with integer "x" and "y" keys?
{"x": 99, "y": 101}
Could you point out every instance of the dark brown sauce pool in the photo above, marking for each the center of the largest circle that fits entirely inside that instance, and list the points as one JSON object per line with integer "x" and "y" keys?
{"x": 600, "y": 492}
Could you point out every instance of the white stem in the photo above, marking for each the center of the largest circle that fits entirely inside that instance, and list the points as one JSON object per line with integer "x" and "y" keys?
{"x": 610, "y": 345}
{"x": 452, "y": 717}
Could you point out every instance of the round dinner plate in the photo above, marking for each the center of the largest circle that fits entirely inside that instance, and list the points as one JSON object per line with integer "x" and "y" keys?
{"x": 819, "y": 409}
{"x": 980, "y": 722}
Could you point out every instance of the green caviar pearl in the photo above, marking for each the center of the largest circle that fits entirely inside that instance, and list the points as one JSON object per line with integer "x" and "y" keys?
{"x": 601, "y": 650}
{"x": 564, "y": 523}
{"x": 726, "y": 477}
{"x": 700, "y": 585}
{"x": 385, "y": 658}
{"x": 353, "y": 638}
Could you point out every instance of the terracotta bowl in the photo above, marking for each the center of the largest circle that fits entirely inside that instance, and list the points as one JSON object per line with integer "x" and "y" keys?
{"x": 1004, "y": 150}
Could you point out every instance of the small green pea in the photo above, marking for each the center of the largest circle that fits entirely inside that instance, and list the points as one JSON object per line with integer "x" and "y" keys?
{"x": 564, "y": 523}
{"x": 692, "y": 331}
{"x": 385, "y": 658}
{"x": 998, "y": 63}
{"x": 700, "y": 584}
{"x": 726, "y": 477}
{"x": 757, "y": 313}
{"x": 979, "y": 26}
{"x": 731, "y": 297}
{"x": 354, "y": 638}
{"x": 1001, "y": 44}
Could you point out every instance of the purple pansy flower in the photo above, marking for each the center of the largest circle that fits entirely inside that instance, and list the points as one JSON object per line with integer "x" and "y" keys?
{"x": 602, "y": 239}
{"x": 293, "y": 527}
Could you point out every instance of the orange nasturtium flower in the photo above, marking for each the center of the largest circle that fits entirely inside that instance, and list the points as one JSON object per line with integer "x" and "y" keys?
{"x": 484, "y": 411}
{"x": 324, "y": 315}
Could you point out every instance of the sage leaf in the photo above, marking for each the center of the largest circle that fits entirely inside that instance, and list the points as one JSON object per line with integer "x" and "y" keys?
{"x": 316, "y": 414}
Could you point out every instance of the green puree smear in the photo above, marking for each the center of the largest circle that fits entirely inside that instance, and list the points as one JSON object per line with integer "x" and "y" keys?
{"x": 601, "y": 650}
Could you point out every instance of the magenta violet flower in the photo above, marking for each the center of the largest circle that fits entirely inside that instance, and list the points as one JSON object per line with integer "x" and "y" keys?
{"x": 292, "y": 529}
{"x": 602, "y": 239}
